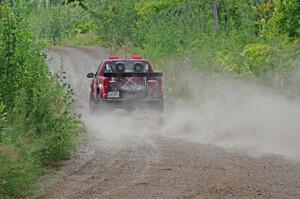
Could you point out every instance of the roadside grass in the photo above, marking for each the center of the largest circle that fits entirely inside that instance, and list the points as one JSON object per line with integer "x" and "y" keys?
{"x": 87, "y": 39}
{"x": 18, "y": 174}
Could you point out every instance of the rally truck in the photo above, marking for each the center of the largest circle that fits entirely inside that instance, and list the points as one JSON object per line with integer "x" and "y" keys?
{"x": 126, "y": 83}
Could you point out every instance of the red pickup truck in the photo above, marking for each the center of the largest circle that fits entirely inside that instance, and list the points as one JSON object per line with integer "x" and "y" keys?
{"x": 126, "y": 82}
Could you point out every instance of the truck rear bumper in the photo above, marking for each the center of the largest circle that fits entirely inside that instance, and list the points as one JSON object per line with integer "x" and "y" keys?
{"x": 130, "y": 104}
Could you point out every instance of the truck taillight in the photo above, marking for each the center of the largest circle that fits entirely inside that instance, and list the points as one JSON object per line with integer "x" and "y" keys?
{"x": 152, "y": 88}
{"x": 105, "y": 84}
{"x": 155, "y": 87}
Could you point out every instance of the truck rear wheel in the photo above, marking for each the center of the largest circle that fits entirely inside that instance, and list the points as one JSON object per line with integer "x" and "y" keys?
{"x": 92, "y": 104}
{"x": 157, "y": 105}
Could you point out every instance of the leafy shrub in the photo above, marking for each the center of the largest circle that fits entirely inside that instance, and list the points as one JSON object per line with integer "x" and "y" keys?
{"x": 286, "y": 18}
{"x": 257, "y": 57}
{"x": 55, "y": 22}
{"x": 18, "y": 174}
{"x": 39, "y": 128}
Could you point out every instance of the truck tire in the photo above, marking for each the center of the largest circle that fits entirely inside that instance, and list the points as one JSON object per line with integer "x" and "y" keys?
{"x": 92, "y": 105}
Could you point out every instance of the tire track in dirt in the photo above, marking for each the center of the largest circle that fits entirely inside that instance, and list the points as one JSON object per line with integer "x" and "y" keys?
{"x": 145, "y": 164}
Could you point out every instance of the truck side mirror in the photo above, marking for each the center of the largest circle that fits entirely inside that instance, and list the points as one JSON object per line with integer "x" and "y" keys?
{"x": 91, "y": 75}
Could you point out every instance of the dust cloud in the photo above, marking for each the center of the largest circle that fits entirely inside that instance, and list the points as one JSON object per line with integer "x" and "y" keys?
{"x": 233, "y": 114}
{"x": 240, "y": 115}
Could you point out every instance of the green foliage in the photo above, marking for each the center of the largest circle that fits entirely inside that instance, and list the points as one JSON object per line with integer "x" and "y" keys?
{"x": 55, "y": 22}
{"x": 79, "y": 2}
{"x": 38, "y": 129}
{"x": 3, "y": 120}
{"x": 7, "y": 52}
{"x": 286, "y": 18}
{"x": 253, "y": 37}
{"x": 50, "y": 23}
{"x": 166, "y": 26}
{"x": 117, "y": 28}
{"x": 89, "y": 39}
{"x": 18, "y": 174}
{"x": 256, "y": 55}
{"x": 146, "y": 7}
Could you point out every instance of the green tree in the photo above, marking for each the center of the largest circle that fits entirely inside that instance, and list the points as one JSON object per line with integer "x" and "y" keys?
{"x": 286, "y": 18}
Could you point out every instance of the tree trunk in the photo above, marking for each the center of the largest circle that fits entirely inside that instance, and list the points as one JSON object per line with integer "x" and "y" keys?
{"x": 214, "y": 8}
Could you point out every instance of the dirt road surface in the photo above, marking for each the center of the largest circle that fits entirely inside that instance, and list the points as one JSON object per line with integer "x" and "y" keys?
{"x": 131, "y": 155}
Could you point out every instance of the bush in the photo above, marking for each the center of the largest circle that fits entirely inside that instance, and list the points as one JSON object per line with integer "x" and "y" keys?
{"x": 39, "y": 128}
{"x": 55, "y": 22}
{"x": 286, "y": 18}
{"x": 18, "y": 174}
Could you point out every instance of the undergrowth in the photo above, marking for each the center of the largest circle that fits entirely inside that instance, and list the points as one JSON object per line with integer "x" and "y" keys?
{"x": 37, "y": 127}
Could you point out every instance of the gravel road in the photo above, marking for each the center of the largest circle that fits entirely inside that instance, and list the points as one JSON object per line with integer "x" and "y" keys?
{"x": 129, "y": 155}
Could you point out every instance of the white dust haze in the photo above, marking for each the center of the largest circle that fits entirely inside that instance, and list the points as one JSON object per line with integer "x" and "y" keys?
{"x": 232, "y": 114}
